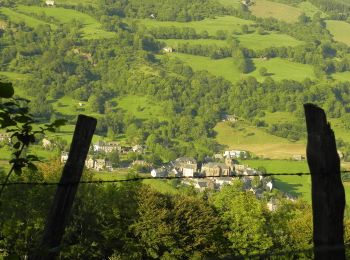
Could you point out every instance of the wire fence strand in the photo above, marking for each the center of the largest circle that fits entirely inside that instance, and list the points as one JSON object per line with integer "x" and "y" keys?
{"x": 155, "y": 178}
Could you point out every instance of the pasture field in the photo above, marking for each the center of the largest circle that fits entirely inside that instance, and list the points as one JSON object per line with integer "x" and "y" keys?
{"x": 225, "y": 23}
{"x": 340, "y": 30}
{"x": 257, "y": 42}
{"x": 286, "y": 117}
{"x": 231, "y": 3}
{"x": 283, "y": 69}
{"x": 251, "y": 41}
{"x": 174, "y": 42}
{"x": 339, "y": 129}
{"x": 265, "y": 9}
{"x": 277, "y": 68}
{"x": 141, "y": 107}
{"x": 77, "y": 2}
{"x": 296, "y": 185}
{"x": 310, "y": 10}
{"x": 13, "y": 76}
{"x": 91, "y": 27}
{"x": 225, "y": 68}
{"x": 278, "y": 117}
{"x": 17, "y": 17}
{"x": 250, "y": 138}
{"x": 341, "y": 76}
{"x": 68, "y": 106}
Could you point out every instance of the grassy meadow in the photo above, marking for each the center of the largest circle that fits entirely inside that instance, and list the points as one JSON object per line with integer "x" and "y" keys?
{"x": 141, "y": 107}
{"x": 280, "y": 69}
{"x": 17, "y": 17}
{"x": 340, "y": 30}
{"x": 265, "y": 9}
{"x": 212, "y": 25}
{"x": 91, "y": 28}
{"x": 341, "y": 76}
{"x": 231, "y": 3}
{"x": 256, "y": 41}
{"x": 277, "y": 68}
{"x": 225, "y": 68}
{"x": 77, "y": 2}
{"x": 175, "y": 42}
{"x": 296, "y": 185}
{"x": 13, "y": 76}
{"x": 250, "y": 138}
{"x": 247, "y": 40}
{"x": 310, "y": 10}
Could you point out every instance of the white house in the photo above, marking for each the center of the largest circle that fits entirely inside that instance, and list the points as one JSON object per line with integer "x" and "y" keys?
{"x": 64, "y": 157}
{"x": 106, "y": 147}
{"x": 50, "y": 3}
{"x": 137, "y": 148}
{"x": 168, "y": 49}
{"x": 90, "y": 163}
{"x": 271, "y": 205}
{"x": 269, "y": 185}
{"x": 46, "y": 143}
{"x": 236, "y": 154}
{"x": 185, "y": 165}
{"x": 189, "y": 170}
{"x": 5, "y": 137}
{"x": 159, "y": 172}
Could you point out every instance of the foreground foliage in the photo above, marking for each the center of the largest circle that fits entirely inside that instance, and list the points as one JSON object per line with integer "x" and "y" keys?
{"x": 133, "y": 221}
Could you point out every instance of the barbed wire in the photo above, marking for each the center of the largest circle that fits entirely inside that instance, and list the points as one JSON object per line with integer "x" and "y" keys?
{"x": 156, "y": 178}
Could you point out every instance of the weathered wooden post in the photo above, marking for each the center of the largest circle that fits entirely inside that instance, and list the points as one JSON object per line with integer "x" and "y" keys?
{"x": 328, "y": 196}
{"x": 67, "y": 188}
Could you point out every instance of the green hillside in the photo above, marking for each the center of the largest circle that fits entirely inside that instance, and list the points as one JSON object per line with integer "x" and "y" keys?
{"x": 225, "y": 23}
{"x": 91, "y": 27}
{"x": 264, "y": 8}
{"x": 340, "y": 30}
{"x": 277, "y": 68}
{"x": 251, "y": 41}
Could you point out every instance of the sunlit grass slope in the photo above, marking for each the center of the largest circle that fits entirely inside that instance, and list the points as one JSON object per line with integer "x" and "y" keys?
{"x": 91, "y": 27}
{"x": 17, "y": 17}
{"x": 340, "y": 30}
{"x": 225, "y": 23}
{"x": 251, "y": 41}
{"x": 277, "y": 68}
{"x": 246, "y": 137}
{"x": 263, "y": 8}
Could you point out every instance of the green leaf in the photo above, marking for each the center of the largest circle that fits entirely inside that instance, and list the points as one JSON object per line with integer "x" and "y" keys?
{"x": 32, "y": 167}
{"x": 17, "y": 145}
{"x": 22, "y": 119}
{"x": 6, "y": 90}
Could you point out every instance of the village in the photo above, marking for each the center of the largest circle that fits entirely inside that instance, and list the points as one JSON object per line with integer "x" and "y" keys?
{"x": 213, "y": 173}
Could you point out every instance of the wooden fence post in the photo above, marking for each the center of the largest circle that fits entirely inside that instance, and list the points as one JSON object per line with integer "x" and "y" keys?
{"x": 67, "y": 188}
{"x": 328, "y": 196}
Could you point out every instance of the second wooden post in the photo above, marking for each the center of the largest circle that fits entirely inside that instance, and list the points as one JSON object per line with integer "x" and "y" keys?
{"x": 328, "y": 196}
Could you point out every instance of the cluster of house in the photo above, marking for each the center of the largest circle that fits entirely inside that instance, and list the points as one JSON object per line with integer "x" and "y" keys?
{"x": 108, "y": 147}
{"x": 103, "y": 148}
{"x": 229, "y": 118}
{"x": 92, "y": 163}
{"x": 5, "y": 137}
{"x": 50, "y": 3}
{"x": 213, "y": 175}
